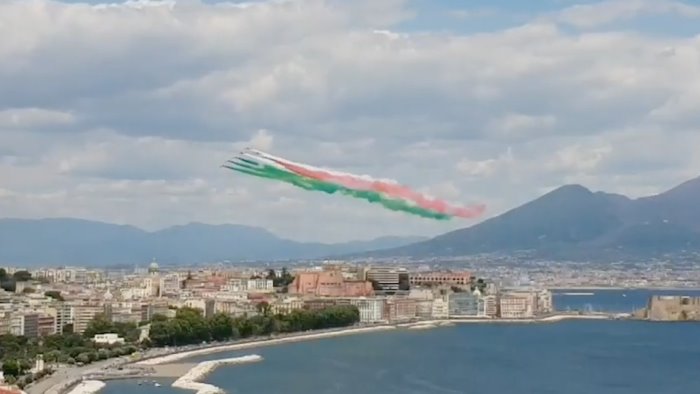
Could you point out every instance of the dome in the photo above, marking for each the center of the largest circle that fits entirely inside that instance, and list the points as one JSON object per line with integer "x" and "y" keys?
{"x": 153, "y": 267}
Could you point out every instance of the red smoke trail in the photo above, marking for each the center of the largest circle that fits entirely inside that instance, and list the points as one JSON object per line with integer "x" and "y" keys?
{"x": 391, "y": 189}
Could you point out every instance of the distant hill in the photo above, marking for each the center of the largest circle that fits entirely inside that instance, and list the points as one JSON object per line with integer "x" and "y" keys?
{"x": 82, "y": 242}
{"x": 574, "y": 219}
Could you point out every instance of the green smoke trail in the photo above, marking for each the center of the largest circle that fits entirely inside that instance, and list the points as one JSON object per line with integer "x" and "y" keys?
{"x": 269, "y": 172}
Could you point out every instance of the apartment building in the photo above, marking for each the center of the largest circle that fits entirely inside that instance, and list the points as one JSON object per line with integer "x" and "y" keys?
{"x": 440, "y": 278}
{"x": 371, "y": 309}
{"x": 463, "y": 304}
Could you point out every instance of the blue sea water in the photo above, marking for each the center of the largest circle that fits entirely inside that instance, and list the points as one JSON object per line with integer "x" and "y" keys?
{"x": 572, "y": 357}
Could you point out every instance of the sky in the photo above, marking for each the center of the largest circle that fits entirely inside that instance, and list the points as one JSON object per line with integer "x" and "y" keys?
{"x": 123, "y": 111}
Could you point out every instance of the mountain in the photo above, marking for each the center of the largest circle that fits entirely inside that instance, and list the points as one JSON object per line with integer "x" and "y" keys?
{"x": 574, "y": 219}
{"x": 82, "y": 242}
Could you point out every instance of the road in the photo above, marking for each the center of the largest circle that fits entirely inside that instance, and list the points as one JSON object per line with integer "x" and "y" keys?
{"x": 68, "y": 375}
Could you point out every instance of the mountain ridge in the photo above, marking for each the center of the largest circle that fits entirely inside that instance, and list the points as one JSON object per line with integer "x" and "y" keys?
{"x": 64, "y": 241}
{"x": 574, "y": 218}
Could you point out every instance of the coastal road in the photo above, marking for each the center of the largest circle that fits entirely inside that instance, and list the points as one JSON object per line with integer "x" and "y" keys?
{"x": 65, "y": 374}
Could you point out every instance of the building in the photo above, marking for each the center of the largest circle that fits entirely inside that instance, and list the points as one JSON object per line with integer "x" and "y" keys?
{"x": 329, "y": 284}
{"x": 371, "y": 309}
{"x": 490, "y": 306}
{"x": 441, "y": 309}
{"x": 388, "y": 278}
{"x": 155, "y": 308}
{"x": 319, "y": 303}
{"x": 46, "y": 325}
{"x": 463, "y": 304}
{"x": 544, "y": 302}
{"x": 286, "y": 305}
{"x": 84, "y": 314}
{"x": 170, "y": 285}
{"x": 440, "y": 278}
{"x": 107, "y": 339}
{"x": 260, "y": 286}
{"x": 400, "y": 309}
{"x": 424, "y": 309}
{"x": 673, "y": 308}
{"x": 517, "y": 305}
{"x": 65, "y": 315}
{"x": 5, "y": 323}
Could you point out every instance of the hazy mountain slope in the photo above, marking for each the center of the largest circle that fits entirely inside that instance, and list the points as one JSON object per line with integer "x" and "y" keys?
{"x": 81, "y": 242}
{"x": 573, "y": 218}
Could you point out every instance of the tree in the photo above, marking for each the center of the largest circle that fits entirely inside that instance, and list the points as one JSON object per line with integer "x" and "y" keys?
{"x": 56, "y": 295}
{"x": 11, "y": 368}
{"x": 9, "y": 285}
{"x": 221, "y": 327}
{"x": 284, "y": 280}
{"x": 3, "y": 275}
{"x": 98, "y": 325}
{"x": 22, "y": 276}
{"x": 263, "y": 308}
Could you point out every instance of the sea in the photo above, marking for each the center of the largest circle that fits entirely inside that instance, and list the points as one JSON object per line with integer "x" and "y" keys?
{"x": 569, "y": 357}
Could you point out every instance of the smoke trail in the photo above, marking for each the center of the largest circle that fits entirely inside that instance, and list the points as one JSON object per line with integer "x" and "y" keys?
{"x": 389, "y": 188}
{"x": 271, "y": 172}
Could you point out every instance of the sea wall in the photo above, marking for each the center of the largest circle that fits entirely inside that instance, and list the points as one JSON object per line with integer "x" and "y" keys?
{"x": 190, "y": 380}
{"x": 88, "y": 387}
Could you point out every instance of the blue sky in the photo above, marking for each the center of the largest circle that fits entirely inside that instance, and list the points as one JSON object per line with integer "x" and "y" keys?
{"x": 123, "y": 114}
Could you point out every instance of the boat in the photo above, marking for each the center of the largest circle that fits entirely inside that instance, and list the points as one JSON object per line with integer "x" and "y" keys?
{"x": 579, "y": 294}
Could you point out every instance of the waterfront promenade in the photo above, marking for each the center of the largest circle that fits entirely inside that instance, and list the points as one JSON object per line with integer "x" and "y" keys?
{"x": 130, "y": 367}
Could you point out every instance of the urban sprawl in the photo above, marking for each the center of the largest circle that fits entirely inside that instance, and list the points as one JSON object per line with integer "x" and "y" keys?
{"x": 77, "y": 316}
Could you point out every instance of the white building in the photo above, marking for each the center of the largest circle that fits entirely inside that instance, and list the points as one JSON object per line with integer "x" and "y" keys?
{"x": 260, "y": 286}
{"x": 544, "y": 302}
{"x": 441, "y": 309}
{"x": 107, "y": 339}
{"x": 371, "y": 309}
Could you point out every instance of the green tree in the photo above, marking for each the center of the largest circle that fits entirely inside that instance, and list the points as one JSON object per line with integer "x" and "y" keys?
{"x": 98, "y": 325}
{"x": 56, "y": 295}
{"x": 221, "y": 327}
{"x": 11, "y": 368}
{"x": 22, "y": 276}
{"x": 263, "y": 308}
{"x": 3, "y": 275}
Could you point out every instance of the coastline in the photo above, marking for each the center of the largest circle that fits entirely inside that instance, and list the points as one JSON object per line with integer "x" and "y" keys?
{"x": 146, "y": 367}
{"x": 619, "y": 288}
{"x": 173, "y": 357}
{"x": 259, "y": 343}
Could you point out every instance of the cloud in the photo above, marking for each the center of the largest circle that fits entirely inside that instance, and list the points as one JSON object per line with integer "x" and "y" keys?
{"x": 131, "y": 124}
{"x": 606, "y": 12}
{"x": 22, "y": 118}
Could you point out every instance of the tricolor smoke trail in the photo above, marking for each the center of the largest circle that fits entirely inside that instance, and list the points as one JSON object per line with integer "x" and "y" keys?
{"x": 387, "y": 193}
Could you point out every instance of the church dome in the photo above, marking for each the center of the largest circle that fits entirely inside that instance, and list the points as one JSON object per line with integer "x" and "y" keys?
{"x": 153, "y": 267}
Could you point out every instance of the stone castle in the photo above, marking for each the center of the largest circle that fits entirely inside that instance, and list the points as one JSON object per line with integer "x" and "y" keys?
{"x": 671, "y": 308}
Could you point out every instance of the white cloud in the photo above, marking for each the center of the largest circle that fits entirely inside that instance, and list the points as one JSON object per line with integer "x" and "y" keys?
{"x": 22, "y": 118}
{"x": 605, "y": 12}
{"x": 131, "y": 124}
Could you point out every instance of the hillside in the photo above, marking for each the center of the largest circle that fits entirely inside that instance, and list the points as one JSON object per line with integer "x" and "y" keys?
{"x": 81, "y": 242}
{"x": 576, "y": 219}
